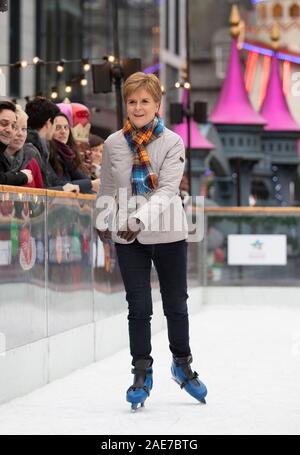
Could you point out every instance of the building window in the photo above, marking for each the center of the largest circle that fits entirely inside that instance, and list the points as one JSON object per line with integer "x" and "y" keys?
{"x": 59, "y": 36}
{"x": 262, "y": 11}
{"x": 294, "y": 10}
{"x": 222, "y": 53}
{"x": 177, "y": 27}
{"x": 241, "y": 142}
{"x": 277, "y": 11}
{"x": 14, "y": 47}
{"x": 167, "y": 13}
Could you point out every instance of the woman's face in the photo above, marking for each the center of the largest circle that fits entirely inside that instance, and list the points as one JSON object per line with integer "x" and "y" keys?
{"x": 61, "y": 129}
{"x": 20, "y": 135}
{"x": 97, "y": 154}
{"x": 141, "y": 108}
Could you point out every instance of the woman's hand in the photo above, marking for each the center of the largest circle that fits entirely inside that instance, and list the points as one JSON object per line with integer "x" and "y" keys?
{"x": 95, "y": 185}
{"x": 104, "y": 235}
{"x": 28, "y": 174}
{"x": 70, "y": 188}
{"x": 130, "y": 230}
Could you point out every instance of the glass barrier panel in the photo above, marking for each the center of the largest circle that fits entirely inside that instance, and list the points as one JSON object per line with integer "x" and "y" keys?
{"x": 70, "y": 263}
{"x": 218, "y": 271}
{"x": 23, "y": 317}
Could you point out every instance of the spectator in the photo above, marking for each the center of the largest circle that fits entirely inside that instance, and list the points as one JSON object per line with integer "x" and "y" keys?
{"x": 79, "y": 121}
{"x": 41, "y": 113}
{"x": 96, "y": 147}
{"x": 65, "y": 158}
{"x": 7, "y": 130}
{"x": 24, "y": 156}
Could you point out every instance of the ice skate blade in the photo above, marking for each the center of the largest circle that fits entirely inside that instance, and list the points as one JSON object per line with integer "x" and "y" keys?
{"x": 136, "y": 406}
{"x": 202, "y": 400}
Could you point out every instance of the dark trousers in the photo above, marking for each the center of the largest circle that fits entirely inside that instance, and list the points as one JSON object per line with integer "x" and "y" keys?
{"x": 170, "y": 261}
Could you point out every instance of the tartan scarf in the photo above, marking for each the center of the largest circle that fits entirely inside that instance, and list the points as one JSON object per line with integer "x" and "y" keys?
{"x": 143, "y": 178}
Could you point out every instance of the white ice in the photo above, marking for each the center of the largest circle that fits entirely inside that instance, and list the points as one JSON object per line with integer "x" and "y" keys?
{"x": 249, "y": 357}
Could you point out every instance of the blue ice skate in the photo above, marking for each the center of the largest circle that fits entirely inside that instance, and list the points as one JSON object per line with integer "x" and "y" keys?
{"x": 187, "y": 379}
{"x": 142, "y": 384}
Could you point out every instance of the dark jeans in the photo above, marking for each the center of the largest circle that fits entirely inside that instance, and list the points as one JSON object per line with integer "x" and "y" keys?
{"x": 170, "y": 261}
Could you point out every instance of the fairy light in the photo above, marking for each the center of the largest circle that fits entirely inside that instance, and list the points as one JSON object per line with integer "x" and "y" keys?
{"x": 86, "y": 64}
{"x": 54, "y": 93}
{"x": 21, "y": 64}
{"x": 61, "y": 66}
{"x": 68, "y": 88}
{"x": 83, "y": 81}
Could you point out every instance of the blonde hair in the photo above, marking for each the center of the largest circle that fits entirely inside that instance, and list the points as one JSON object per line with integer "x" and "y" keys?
{"x": 20, "y": 113}
{"x": 148, "y": 82}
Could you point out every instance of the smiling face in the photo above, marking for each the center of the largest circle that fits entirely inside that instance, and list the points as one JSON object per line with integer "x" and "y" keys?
{"x": 96, "y": 153}
{"x": 141, "y": 107}
{"x": 20, "y": 136}
{"x": 61, "y": 129}
{"x": 7, "y": 125}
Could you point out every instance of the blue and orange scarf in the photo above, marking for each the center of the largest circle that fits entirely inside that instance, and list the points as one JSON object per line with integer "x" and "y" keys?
{"x": 143, "y": 178}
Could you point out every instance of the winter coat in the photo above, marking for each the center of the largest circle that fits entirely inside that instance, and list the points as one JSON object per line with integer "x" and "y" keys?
{"x": 161, "y": 211}
{"x": 8, "y": 177}
{"x": 70, "y": 173}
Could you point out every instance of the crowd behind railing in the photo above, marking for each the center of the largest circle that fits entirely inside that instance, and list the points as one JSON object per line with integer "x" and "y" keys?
{"x": 49, "y": 146}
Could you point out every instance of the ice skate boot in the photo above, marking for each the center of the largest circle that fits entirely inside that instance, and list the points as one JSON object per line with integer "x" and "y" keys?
{"x": 142, "y": 384}
{"x": 187, "y": 379}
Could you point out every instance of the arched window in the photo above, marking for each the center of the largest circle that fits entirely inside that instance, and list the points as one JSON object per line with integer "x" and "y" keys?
{"x": 294, "y": 10}
{"x": 262, "y": 11}
{"x": 277, "y": 11}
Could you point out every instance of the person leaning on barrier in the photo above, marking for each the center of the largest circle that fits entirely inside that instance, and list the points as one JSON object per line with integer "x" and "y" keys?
{"x": 65, "y": 158}
{"x": 145, "y": 159}
{"x": 96, "y": 146}
{"x": 41, "y": 113}
{"x": 7, "y": 131}
{"x": 21, "y": 155}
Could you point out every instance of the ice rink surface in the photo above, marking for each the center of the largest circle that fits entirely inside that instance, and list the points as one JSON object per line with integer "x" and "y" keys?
{"x": 248, "y": 356}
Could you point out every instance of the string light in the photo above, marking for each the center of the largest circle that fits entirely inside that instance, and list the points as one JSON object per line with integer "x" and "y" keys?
{"x": 86, "y": 64}
{"x": 83, "y": 81}
{"x": 68, "y": 87}
{"x": 177, "y": 84}
{"x": 61, "y": 66}
{"x": 187, "y": 85}
{"x": 54, "y": 93}
{"x": 35, "y": 60}
{"x": 21, "y": 64}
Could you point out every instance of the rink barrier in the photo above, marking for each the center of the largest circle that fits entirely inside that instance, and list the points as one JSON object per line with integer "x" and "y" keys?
{"x": 256, "y": 221}
{"x": 62, "y": 304}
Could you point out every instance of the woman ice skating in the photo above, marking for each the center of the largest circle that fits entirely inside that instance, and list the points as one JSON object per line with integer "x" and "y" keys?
{"x": 146, "y": 161}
